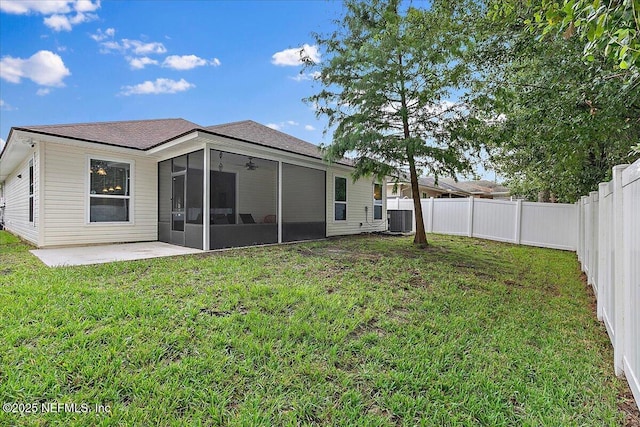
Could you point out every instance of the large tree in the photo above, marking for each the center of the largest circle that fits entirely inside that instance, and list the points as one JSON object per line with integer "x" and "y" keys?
{"x": 559, "y": 123}
{"x": 387, "y": 76}
{"x": 606, "y": 28}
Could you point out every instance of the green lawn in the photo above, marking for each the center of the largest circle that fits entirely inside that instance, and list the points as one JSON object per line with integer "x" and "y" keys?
{"x": 351, "y": 331}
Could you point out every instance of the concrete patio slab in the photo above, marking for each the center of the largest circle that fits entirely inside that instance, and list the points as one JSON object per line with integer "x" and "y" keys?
{"x": 100, "y": 254}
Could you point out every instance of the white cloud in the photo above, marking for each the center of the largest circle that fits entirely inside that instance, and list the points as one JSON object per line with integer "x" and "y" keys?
{"x": 65, "y": 22}
{"x": 140, "y": 63}
{"x": 273, "y": 126}
{"x": 306, "y": 76}
{"x": 184, "y": 62}
{"x": 43, "y": 91}
{"x": 44, "y": 68}
{"x": 103, "y": 35}
{"x": 48, "y": 7}
{"x": 58, "y": 23}
{"x": 23, "y": 7}
{"x": 309, "y": 128}
{"x": 292, "y": 123}
{"x": 59, "y": 14}
{"x": 293, "y": 57}
{"x": 140, "y": 48}
{"x": 159, "y": 86}
{"x": 135, "y": 46}
{"x": 216, "y": 62}
{"x": 87, "y": 6}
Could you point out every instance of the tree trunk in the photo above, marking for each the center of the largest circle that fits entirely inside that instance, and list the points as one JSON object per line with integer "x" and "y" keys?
{"x": 421, "y": 236}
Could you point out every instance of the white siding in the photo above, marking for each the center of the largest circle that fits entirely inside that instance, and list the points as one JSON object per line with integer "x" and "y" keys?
{"x": 359, "y": 195}
{"x": 16, "y": 195}
{"x": 66, "y": 198}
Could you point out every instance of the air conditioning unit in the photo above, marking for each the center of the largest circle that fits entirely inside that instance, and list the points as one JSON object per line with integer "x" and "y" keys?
{"x": 400, "y": 221}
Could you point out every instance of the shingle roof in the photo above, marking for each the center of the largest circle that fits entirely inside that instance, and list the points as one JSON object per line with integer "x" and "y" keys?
{"x": 138, "y": 134}
{"x": 146, "y": 134}
{"x": 481, "y": 186}
{"x": 430, "y": 181}
{"x": 248, "y": 130}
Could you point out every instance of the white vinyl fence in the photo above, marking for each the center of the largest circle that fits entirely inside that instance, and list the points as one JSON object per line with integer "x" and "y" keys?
{"x": 609, "y": 251}
{"x": 603, "y": 228}
{"x": 549, "y": 225}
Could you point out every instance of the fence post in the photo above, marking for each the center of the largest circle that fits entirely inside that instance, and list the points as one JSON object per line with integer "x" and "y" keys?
{"x": 470, "y": 232}
{"x": 603, "y": 247}
{"x": 579, "y": 236}
{"x": 583, "y": 228}
{"x": 431, "y": 210}
{"x": 593, "y": 254}
{"x": 618, "y": 272}
{"x": 518, "y": 221}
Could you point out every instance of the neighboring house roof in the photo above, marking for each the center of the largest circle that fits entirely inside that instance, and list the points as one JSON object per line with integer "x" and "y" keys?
{"x": 430, "y": 182}
{"x": 137, "y": 134}
{"x": 480, "y": 187}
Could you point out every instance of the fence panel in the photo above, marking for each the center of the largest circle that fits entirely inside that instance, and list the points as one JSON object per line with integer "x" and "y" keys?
{"x": 631, "y": 221}
{"x": 451, "y": 216}
{"x": 605, "y": 288}
{"x": 549, "y": 225}
{"x": 495, "y": 219}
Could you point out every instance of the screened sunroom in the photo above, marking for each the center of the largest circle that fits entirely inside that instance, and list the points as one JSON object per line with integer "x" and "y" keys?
{"x": 242, "y": 200}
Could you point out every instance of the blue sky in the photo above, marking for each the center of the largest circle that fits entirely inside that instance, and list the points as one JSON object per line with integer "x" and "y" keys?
{"x": 209, "y": 62}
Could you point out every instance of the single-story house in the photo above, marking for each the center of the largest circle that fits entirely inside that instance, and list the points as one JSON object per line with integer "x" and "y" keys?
{"x": 427, "y": 187}
{"x": 482, "y": 189}
{"x": 172, "y": 180}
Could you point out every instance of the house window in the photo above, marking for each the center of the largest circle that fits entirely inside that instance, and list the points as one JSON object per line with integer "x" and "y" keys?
{"x": 377, "y": 201}
{"x": 424, "y": 196}
{"x": 31, "y": 190}
{"x": 109, "y": 191}
{"x": 340, "y": 198}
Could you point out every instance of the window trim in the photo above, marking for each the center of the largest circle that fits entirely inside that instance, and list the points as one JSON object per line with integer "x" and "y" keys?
{"x": 88, "y": 195}
{"x": 345, "y": 202}
{"x": 378, "y": 202}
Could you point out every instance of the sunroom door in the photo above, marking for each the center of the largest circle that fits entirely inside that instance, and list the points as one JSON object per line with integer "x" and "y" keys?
{"x": 177, "y": 208}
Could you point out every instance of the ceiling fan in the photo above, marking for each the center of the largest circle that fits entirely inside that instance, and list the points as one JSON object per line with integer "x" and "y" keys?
{"x": 250, "y": 165}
